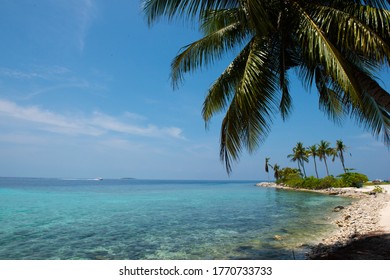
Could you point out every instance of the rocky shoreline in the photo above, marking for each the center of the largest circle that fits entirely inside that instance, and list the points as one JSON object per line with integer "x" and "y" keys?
{"x": 355, "y": 221}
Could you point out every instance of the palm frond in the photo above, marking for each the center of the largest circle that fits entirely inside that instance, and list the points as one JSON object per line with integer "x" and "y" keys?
{"x": 211, "y": 47}
{"x": 373, "y": 118}
{"x": 214, "y": 20}
{"x": 230, "y": 143}
{"x": 330, "y": 100}
{"x": 249, "y": 117}
{"x": 283, "y": 66}
{"x": 365, "y": 32}
{"x": 259, "y": 14}
{"x": 188, "y": 9}
{"x": 223, "y": 89}
{"x": 317, "y": 47}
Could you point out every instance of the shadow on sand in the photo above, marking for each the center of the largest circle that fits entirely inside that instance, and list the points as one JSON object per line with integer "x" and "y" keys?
{"x": 374, "y": 246}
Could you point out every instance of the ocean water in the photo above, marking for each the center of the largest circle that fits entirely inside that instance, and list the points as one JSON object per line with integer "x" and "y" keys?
{"x": 153, "y": 219}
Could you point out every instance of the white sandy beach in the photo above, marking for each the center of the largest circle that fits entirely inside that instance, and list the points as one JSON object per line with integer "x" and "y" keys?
{"x": 384, "y": 214}
{"x": 384, "y": 218}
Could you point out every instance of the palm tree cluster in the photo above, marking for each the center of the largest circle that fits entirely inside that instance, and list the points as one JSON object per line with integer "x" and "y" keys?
{"x": 322, "y": 151}
{"x": 335, "y": 46}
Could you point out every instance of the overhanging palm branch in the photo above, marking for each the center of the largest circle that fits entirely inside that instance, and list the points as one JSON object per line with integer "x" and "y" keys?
{"x": 336, "y": 45}
{"x": 249, "y": 116}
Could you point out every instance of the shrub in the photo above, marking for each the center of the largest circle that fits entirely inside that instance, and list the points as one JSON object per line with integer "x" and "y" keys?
{"x": 329, "y": 182}
{"x": 311, "y": 183}
{"x": 304, "y": 183}
{"x": 352, "y": 179}
{"x": 287, "y": 174}
{"x": 378, "y": 189}
{"x": 314, "y": 183}
{"x": 295, "y": 182}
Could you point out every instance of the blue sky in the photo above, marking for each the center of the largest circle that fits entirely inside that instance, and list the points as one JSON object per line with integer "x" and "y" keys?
{"x": 85, "y": 92}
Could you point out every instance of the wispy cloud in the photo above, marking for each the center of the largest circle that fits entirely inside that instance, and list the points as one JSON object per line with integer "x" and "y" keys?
{"x": 38, "y": 72}
{"x": 34, "y": 117}
{"x": 364, "y": 136}
{"x": 76, "y": 19}
{"x": 41, "y": 119}
{"x": 109, "y": 123}
{"x": 85, "y": 13}
{"x": 35, "y": 80}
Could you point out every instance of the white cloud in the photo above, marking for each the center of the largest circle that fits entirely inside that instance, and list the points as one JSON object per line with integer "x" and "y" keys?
{"x": 133, "y": 116}
{"x": 109, "y": 123}
{"x": 38, "y": 118}
{"x": 39, "y": 72}
{"x": 34, "y": 117}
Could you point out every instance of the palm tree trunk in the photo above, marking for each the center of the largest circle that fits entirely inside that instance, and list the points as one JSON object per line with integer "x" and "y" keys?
{"x": 303, "y": 167}
{"x": 326, "y": 165}
{"x": 315, "y": 167}
{"x": 342, "y": 161}
{"x": 299, "y": 167}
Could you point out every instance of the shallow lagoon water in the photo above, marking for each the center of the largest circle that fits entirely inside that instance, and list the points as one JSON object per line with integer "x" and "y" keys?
{"x": 154, "y": 219}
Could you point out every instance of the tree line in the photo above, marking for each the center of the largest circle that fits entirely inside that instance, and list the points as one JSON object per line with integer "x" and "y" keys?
{"x": 297, "y": 178}
{"x": 301, "y": 154}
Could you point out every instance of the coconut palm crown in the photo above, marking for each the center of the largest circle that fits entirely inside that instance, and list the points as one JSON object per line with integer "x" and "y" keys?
{"x": 300, "y": 155}
{"x": 276, "y": 169}
{"x": 267, "y": 165}
{"x": 340, "y": 149}
{"x": 336, "y": 46}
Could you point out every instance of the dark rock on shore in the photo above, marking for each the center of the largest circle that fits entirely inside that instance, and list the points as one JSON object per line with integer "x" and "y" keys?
{"x": 338, "y": 208}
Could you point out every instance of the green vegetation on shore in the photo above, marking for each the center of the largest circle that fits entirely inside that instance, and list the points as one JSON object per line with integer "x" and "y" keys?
{"x": 296, "y": 177}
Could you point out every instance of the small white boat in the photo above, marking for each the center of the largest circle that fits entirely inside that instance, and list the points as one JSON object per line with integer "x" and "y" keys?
{"x": 96, "y": 179}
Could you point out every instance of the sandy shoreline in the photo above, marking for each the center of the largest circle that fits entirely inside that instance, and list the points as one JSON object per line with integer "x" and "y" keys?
{"x": 384, "y": 220}
{"x": 368, "y": 215}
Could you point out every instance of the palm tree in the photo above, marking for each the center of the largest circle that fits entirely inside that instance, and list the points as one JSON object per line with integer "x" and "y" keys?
{"x": 267, "y": 164}
{"x": 276, "y": 169}
{"x": 324, "y": 150}
{"x": 314, "y": 152}
{"x": 340, "y": 149}
{"x": 337, "y": 45}
{"x": 299, "y": 155}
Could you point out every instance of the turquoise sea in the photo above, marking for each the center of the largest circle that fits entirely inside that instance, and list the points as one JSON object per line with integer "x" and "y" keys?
{"x": 155, "y": 219}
